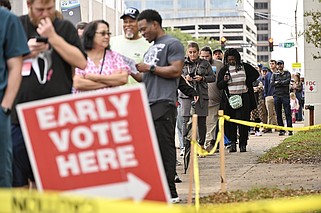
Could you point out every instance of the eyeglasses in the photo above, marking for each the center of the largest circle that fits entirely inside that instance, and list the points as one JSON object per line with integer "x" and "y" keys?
{"x": 103, "y": 33}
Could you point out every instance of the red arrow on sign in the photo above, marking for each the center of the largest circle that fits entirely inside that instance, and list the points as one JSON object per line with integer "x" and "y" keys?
{"x": 311, "y": 88}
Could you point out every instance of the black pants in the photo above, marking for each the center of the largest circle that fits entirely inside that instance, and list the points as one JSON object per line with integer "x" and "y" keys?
{"x": 242, "y": 113}
{"x": 164, "y": 116}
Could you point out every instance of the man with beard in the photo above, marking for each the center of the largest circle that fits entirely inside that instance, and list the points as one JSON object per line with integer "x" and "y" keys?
{"x": 131, "y": 44}
{"x": 47, "y": 72}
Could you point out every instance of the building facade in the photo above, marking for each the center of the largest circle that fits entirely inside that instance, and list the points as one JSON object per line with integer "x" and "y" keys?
{"x": 109, "y": 10}
{"x": 231, "y": 19}
{"x": 262, "y": 18}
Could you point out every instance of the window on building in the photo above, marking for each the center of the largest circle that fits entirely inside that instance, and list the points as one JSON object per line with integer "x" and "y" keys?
{"x": 160, "y": 4}
{"x": 261, "y": 16}
{"x": 261, "y": 5}
{"x": 262, "y": 26}
{"x": 263, "y": 58}
{"x": 262, "y": 37}
{"x": 188, "y": 4}
{"x": 262, "y": 48}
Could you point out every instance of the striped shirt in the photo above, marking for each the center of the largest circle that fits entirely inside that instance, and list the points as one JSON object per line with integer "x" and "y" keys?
{"x": 237, "y": 84}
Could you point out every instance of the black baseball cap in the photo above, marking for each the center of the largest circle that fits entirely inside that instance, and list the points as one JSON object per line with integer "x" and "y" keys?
{"x": 131, "y": 12}
{"x": 217, "y": 50}
{"x": 280, "y": 62}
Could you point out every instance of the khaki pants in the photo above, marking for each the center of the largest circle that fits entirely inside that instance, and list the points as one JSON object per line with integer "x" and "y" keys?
{"x": 271, "y": 115}
{"x": 211, "y": 122}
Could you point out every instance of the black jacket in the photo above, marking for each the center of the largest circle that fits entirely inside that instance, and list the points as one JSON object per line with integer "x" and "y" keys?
{"x": 251, "y": 75}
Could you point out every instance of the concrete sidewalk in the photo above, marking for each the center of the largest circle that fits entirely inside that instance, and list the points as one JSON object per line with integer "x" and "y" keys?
{"x": 244, "y": 173}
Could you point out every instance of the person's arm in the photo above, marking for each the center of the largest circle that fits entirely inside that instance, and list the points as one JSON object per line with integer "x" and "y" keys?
{"x": 174, "y": 70}
{"x": 14, "y": 79}
{"x": 117, "y": 78}
{"x": 81, "y": 83}
{"x": 71, "y": 54}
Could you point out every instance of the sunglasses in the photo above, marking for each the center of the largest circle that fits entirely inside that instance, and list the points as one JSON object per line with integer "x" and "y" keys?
{"x": 103, "y": 33}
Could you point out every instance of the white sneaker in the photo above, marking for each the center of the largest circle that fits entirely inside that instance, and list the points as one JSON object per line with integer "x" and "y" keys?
{"x": 258, "y": 134}
{"x": 175, "y": 200}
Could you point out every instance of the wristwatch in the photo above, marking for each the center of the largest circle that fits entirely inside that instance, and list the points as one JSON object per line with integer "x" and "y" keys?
{"x": 6, "y": 110}
{"x": 152, "y": 69}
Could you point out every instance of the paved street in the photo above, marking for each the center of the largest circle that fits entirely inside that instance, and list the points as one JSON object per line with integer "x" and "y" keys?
{"x": 244, "y": 173}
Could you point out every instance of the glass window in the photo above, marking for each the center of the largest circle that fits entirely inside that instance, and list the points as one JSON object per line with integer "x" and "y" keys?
{"x": 262, "y": 48}
{"x": 133, "y": 3}
{"x": 261, "y": 5}
{"x": 262, "y": 37}
{"x": 262, "y": 26}
{"x": 188, "y": 4}
{"x": 160, "y": 4}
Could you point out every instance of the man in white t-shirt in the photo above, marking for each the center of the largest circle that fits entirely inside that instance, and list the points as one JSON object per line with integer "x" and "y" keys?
{"x": 131, "y": 44}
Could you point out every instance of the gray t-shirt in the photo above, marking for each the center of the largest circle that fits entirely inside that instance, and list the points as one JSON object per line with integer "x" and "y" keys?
{"x": 165, "y": 50}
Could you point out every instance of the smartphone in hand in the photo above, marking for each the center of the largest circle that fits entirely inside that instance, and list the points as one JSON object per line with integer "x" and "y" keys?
{"x": 41, "y": 39}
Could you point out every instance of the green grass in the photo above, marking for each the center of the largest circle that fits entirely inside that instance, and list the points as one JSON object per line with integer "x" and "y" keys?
{"x": 302, "y": 147}
{"x": 254, "y": 194}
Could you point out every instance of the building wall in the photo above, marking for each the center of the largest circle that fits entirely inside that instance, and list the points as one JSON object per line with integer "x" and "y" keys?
{"x": 312, "y": 66}
{"x": 263, "y": 23}
{"x": 210, "y": 18}
{"x": 109, "y": 10}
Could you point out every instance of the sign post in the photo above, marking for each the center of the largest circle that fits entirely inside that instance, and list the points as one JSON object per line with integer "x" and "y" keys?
{"x": 100, "y": 144}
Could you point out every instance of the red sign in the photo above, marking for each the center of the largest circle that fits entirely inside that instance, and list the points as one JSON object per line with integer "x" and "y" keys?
{"x": 97, "y": 143}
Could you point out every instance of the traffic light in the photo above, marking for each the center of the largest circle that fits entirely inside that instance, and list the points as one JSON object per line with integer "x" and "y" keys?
{"x": 271, "y": 44}
{"x": 223, "y": 40}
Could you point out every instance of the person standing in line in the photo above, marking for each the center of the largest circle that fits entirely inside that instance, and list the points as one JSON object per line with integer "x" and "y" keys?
{"x": 218, "y": 54}
{"x": 198, "y": 72}
{"x": 105, "y": 68}
{"x": 47, "y": 71}
{"x": 281, "y": 82}
{"x": 160, "y": 71}
{"x": 296, "y": 87}
{"x": 214, "y": 101}
{"x": 268, "y": 95}
{"x": 236, "y": 78}
{"x": 13, "y": 46}
{"x": 131, "y": 44}
{"x": 5, "y": 4}
{"x": 80, "y": 27}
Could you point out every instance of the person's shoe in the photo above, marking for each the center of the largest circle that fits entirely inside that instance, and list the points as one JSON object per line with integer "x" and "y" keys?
{"x": 242, "y": 148}
{"x": 178, "y": 163}
{"x": 281, "y": 133}
{"x": 252, "y": 132}
{"x": 258, "y": 133}
{"x": 177, "y": 179}
{"x": 175, "y": 200}
{"x": 290, "y": 133}
{"x": 181, "y": 153}
{"x": 267, "y": 131}
{"x": 233, "y": 147}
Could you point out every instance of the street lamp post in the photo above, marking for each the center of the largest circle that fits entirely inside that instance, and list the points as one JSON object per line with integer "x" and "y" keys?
{"x": 296, "y": 32}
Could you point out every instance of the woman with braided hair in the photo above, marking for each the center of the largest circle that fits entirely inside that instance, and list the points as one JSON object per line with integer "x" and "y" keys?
{"x": 236, "y": 78}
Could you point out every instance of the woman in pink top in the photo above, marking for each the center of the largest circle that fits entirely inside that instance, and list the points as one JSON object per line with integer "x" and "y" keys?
{"x": 105, "y": 68}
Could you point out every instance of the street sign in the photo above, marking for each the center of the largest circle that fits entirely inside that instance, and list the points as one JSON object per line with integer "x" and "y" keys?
{"x": 296, "y": 68}
{"x": 311, "y": 86}
{"x": 101, "y": 144}
{"x": 286, "y": 44}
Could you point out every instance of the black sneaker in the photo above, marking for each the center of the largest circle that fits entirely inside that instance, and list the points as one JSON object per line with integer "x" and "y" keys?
{"x": 290, "y": 133}
{"x": 233, "y": 148}
{"x": 177, "y": 179}
{"x": 242, "y": 148}
{"x": 281, "y": 133}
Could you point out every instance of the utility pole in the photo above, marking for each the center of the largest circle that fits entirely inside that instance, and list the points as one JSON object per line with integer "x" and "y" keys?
{"x": 296, "y": 32}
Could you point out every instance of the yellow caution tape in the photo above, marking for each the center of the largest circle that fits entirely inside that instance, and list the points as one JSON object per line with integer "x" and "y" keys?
{"x": 268, "y": 126}
{"x": 24, "y": 201}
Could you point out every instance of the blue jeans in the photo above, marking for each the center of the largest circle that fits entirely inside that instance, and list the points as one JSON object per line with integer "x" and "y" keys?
{"x": 285, "y": 102}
